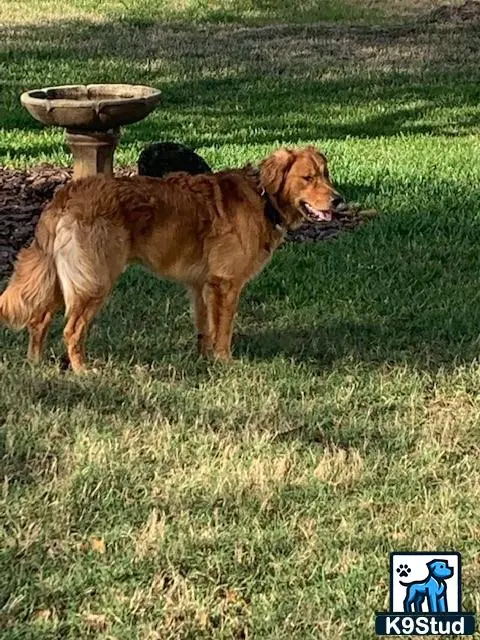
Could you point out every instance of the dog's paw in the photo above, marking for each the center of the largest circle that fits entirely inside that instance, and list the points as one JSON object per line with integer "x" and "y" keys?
{"x": 403, "y": 570}
{"x": 223, "y": 357}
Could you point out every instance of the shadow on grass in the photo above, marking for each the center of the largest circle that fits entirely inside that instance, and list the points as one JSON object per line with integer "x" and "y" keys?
{"x": 402, "y": 292}
{"x": 274, "y": 84}
{"x": 259, "y": 12}
{"x": 323, "y": 346}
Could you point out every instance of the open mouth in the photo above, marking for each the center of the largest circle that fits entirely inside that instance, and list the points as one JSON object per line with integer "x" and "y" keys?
{"x": 316, "y": 215}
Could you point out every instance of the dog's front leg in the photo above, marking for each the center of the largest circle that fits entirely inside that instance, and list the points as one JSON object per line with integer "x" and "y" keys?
{"x": 222, "y": 302}
{"x": 442, "y": 604}
{"x": 205, "y": 332}
{"x": 433, "y": 601}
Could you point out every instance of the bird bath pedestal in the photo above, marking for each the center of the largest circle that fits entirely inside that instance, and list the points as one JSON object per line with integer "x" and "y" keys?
{"x": 92, "y": 116}
{"x": 92, "y": 151}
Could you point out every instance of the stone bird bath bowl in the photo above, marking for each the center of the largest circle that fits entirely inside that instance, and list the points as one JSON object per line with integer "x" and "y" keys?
{"x": 92, "y": 116}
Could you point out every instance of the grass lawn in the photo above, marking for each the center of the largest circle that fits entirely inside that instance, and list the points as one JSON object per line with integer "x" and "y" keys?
{"x": 170, "y": 498}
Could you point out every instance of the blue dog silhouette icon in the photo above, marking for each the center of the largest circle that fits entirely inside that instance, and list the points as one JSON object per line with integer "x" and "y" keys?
{"x": 433, "y": 588}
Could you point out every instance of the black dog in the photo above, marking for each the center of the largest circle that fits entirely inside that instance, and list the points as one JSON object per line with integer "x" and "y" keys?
{"x": 160, "y": 158}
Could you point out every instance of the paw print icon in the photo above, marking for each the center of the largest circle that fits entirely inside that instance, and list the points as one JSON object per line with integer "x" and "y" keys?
{"x": 403, "y": 570}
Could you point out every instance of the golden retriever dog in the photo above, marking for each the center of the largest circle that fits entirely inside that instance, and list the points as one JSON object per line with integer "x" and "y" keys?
{"x": 212, "y": 233}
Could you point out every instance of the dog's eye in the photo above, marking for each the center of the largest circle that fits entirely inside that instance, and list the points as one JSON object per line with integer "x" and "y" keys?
{"x": 308, "y": 178}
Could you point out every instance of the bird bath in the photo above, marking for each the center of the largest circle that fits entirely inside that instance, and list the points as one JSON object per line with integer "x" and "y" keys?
{"x": 92, "y": 116}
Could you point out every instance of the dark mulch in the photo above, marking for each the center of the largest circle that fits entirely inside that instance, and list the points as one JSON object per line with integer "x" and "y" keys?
{"x": 23, "y": 195}
{"x": 468, "y": 11}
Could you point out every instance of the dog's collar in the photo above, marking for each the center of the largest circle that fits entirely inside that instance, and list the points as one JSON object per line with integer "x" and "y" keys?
{"x": 270, "y": 211}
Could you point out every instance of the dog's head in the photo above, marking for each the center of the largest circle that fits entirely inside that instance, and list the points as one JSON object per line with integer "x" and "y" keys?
{"x": 299, "y": 182}
{"x": 440, "y": 569}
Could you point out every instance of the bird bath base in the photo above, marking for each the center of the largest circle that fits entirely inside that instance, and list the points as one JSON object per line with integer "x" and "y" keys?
{"x": 92, "y": 116}
{"x": 92, "y": 152}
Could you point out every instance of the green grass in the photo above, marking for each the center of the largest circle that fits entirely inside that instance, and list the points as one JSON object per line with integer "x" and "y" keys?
{"x": 254, "y": 12}
{"x": 259, "y": 500}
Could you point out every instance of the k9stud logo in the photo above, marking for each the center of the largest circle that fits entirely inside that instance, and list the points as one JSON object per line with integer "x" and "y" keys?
{"x": 425, "y": 596}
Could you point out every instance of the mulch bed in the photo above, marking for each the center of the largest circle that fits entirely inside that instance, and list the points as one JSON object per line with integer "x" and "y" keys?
{"x": 468, "y": 11}
{"x": 23, "y": 194}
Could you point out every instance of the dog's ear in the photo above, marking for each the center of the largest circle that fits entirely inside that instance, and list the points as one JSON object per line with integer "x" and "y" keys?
{"x": 318, "y": 155}
{"x": 274, "y": 169}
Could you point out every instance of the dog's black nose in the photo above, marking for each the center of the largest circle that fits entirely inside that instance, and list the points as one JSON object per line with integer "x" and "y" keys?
{"x": 338, "y": 202}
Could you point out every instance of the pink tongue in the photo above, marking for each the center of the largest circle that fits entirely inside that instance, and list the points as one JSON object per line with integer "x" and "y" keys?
{"x": 325, "y": 215}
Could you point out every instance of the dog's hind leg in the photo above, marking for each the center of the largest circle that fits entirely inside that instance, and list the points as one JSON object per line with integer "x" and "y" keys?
{"x": 38, "y": 327}
{"x": 417, "y": 605}
{"x": 407, "y": 603}
{"x": 37, "y": 334}
{"x": 89, "y": 260}
{"x": 413, "y": 601}
{"x": 76, "y": 328}
{"x": 80, "y": 312}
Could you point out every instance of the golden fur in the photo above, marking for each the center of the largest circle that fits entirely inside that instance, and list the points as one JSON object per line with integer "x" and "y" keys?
{"x": 209, "y": 232}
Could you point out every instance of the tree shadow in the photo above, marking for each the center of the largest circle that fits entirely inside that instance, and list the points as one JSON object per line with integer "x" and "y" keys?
{"x": 321, "y": 346}
{"x": 402, "y": 289}
{"x": 271, "y": 84}
{"x": 257, "y": 12}
{"x": 363, "y": 314}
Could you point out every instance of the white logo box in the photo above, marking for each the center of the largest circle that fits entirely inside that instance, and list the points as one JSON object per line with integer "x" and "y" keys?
{"x": 415, "y": 566}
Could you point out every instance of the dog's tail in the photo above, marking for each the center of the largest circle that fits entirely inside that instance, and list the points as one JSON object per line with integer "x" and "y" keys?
{"x": 33, "y": 284}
